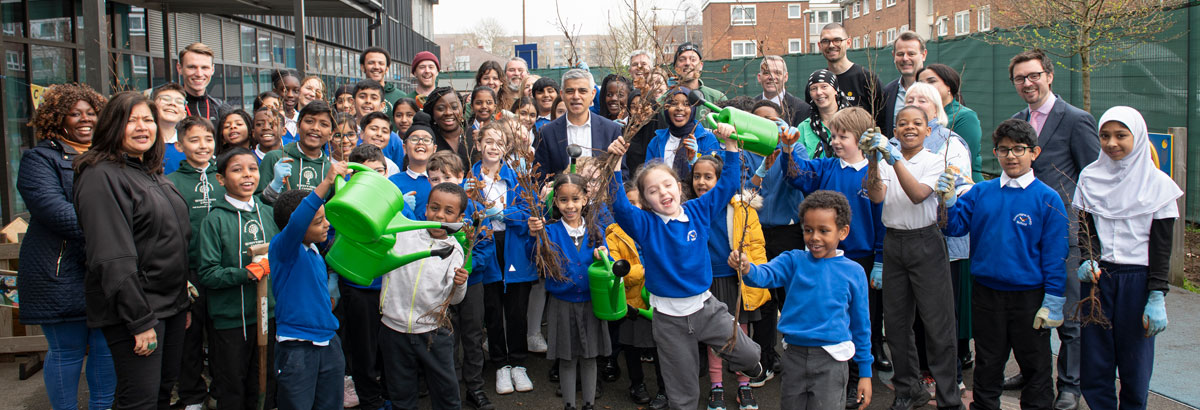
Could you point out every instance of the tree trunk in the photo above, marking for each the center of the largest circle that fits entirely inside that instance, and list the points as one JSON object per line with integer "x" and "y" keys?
{"x": 1085, "y": 67}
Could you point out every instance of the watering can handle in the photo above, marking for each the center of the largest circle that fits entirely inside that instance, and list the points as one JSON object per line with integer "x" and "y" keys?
{"x": 710, "y": 121}
{"x": 606, "y": 260}
{"x": 338, "y": 183}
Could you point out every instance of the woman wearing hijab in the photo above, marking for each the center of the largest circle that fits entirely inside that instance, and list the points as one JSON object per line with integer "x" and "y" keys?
{"x": 446, "y": 110}
{"x": 684, "y": 140}
{"x": 1129, "y": 214}
{"x": 823, "y": 95}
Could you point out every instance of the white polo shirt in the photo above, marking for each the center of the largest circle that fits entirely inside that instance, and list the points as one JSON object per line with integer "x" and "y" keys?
{"x": 898, "y": 210}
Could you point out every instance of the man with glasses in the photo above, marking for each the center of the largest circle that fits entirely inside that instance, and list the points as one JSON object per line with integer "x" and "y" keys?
{"x": 1069, "y": 141}
{"x": 688, "y": 65}
{"x": 908, "y": 53}
{"x": 591, "y": 133}
{"x": 773, "y": 77}
{"x": 859, "y": 85}
{"x": 195, "y": 68}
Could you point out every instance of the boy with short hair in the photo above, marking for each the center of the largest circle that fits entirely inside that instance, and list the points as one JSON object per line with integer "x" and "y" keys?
{"x": 376, "y": 129}
{"x": 1015, "y": 284}
{"x": 308, "y": 354}
{"x": 413, "y": 340}
{"x": 825, "y": 319}
{"x": 268, "y": 131}
{"x": 370, "y": 156}
{"x": 368, "y": 98}
{"x": 196, "y": 180}
{"x": 303, "y": 163}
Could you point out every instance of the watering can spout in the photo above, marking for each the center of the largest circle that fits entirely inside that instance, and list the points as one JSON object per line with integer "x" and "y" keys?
{"x": 620, "y": 268}
{"x": 443, "y": 252}
{"x": 697, "y": 97}
{"x": 452, "y": 227}
{"x": 362, "y": 262}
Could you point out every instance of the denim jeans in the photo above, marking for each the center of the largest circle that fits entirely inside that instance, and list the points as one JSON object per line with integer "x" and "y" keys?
{"x": 69, "y": 343}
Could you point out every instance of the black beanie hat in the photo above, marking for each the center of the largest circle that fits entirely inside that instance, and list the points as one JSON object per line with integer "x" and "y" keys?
{"x": 688, "y": 46}
{"x": 421, "y": 122}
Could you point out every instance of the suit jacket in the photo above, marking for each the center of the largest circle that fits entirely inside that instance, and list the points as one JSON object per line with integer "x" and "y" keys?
{"x": 795, "y": 110}
{"x": 1069, "y": 142}
{"x": 887, "y": 121}
{"x": 550, "y": 156}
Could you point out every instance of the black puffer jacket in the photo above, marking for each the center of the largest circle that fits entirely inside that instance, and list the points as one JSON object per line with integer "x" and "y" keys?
{"x": 137, "y": 230}
{"x": 50, "y": 278}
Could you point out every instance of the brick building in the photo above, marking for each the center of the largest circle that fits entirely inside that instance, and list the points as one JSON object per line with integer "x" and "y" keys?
{"x": 876, "y": 23}
{"x": 748, "y": 29}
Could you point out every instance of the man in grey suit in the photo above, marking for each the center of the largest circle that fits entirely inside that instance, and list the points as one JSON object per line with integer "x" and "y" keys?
{"x": 1069, "y": 142}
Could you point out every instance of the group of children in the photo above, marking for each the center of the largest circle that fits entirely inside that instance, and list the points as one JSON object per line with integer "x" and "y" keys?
{"x": 875, "y": 218}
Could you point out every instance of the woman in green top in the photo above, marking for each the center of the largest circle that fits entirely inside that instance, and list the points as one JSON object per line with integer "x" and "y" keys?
{"x": 823, "y": 95}
{"x": 963, "y": 121}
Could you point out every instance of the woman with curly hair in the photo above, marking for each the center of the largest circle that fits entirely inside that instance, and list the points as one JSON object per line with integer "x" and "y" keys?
{"x": 52, "y": 253}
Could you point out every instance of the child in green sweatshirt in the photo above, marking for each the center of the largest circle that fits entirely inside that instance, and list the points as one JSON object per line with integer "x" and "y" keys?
{"x": 236, "y": 222}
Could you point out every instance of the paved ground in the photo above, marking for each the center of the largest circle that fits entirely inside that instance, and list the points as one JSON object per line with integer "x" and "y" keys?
{"x": 1176, "y": 371}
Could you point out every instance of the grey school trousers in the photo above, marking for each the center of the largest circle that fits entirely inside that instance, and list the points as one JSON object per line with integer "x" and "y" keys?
{"x": 916, "y": 277}
{"x": 676, "y": 338}
{"x": 812, "y": 379}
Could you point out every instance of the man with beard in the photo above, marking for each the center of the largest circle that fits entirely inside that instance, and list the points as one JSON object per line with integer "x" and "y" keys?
{"x": 374, "y": 63}
{"x": 195, "y": 68}
{"x": 515, "y": 72}
{"x": 859, "y": 85}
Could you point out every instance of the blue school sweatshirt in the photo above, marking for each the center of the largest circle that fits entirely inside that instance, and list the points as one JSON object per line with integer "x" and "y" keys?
{"x": 171, "y": 158}
{"x": 575, "y": 264}
{"x": 420, "y": 185}
{"x": 483, "y": 248}
{"x": 539, "y": 122}
{"x": 826, "y": 304}
{"x": 781, "y": 202}
{"x": 676, "y": 258}
{"x": 718, "y": 244}
{"x": 866, "y": 227}
{"x": 395, "y": 150}
{"x": 518, "y": 244}
{"x": 1025, "y": 232}
{"x": 705, "y": 140}
{"x": 299, "y": 280}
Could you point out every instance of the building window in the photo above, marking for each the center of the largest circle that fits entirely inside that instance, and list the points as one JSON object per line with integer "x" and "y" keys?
{"x": 837, "y": 16}
{"x": 462, "y": 63}
{"x": 795, "y": 46}
{"x": 903, "y": 28}
{"x": 866, "y": 7}
{"x": 846, "y": 11}
{"x": 878, "y": 39}
{"x": 855, "y": 14}
{"x": 891, "y": 35}
{"x": 742, "y": 15}
{"x": 857, "y": 44}
{"x": 794, "y": 11}
{"x": 878, "y": 4}
{"x": 812, "y": 47}
{"x": 891, "y": 3}
{"x": 941, "y": 27}
{"x": 962, "y": 23}
{"x": 743, "y": 49}
{"x": 985, "y": 18}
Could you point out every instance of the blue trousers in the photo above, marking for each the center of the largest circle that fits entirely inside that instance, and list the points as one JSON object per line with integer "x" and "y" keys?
{"x": 69, "y": 342}
{"x": 309, "y": 377}
{"x": 1123, "y": 348}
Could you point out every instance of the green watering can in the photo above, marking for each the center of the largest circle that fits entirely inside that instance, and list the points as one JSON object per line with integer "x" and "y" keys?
{"x": 608, "y": 289}
{"x": 575, "y": 152}
{"x": 362, "y": 262}
{"x": 757, "y": 134}
{"x": 461, "y": 237}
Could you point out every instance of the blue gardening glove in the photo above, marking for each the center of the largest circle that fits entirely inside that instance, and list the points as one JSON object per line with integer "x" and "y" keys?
{"x": 622, "y": 122}
{"x": 1088, "y": 271}
{"x": 877, "y": 276}
{"x": 1051, "y": 313}
{"x": 1154, "y": 319}
{"x": 690, "y": 144}
{"x": 494, "y": 214}
{"x": 787, "y": 133}
{"x": 410, "y": 201}
{"x": 282, "y": 170}
{"x": 875, "y": 142}
{"x": 945, "y": 187}
{"x": 761, "y": 172}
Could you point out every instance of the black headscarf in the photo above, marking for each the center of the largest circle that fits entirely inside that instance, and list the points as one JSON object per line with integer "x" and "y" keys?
{"x": 818, "y": 127}
{"x": 686, "y": 129}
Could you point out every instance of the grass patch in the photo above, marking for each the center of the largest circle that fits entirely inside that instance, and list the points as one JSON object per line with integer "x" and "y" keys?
{"x": 1190, "y": 286}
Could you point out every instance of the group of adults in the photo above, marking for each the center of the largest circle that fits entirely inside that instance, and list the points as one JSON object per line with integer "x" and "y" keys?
{"x": 103, "y": 265}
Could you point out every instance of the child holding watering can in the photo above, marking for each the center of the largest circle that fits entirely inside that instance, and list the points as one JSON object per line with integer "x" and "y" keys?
{"x": 576, "y": 336}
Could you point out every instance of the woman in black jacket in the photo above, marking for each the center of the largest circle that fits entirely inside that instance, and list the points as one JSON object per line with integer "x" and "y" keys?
{"x": 51, "y": 274}
{"x": 136, "y": 227}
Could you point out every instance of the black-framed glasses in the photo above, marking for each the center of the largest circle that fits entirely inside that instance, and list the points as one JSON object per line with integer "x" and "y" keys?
{"x": 826, "y": 41}
{"x": 1017, "y": 151}
{"x": 420, "y": 140}
{"x": 339, "y": 136}
{"x": 1020, "y": 79}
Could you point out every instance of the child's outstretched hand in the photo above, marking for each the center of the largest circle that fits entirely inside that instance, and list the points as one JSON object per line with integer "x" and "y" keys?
{"x": 724, "y": 130}
{"x": 739, "y": 261}
{"x": 788, "y": 135}
{"x": 460, "y": 276}
{"x": 599, "y": 249}
{"x": 618, "y": 147}
{"x": 536, "y": 224}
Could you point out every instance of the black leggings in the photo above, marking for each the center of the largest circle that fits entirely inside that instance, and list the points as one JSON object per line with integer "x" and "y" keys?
{"x": 145, "y": 382}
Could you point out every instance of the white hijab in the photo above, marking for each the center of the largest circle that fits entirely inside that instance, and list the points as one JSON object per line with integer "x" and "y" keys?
{"x": 1131, "y": 187}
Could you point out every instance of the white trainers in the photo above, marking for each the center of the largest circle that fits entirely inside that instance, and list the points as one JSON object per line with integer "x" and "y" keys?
{"x": 537, "y": 343}
{"x": 520, "y": 379}
{"x": 349, "y": 395}
{"x": 504, "y": 380}
{"x": 199, "y": 406}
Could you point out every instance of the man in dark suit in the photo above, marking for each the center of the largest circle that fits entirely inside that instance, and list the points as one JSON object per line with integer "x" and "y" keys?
{"x": 908, "y": 52}
{"x": 1069, "y": 142}
{"x": 773, "y": 77}
{"x": 592, "y": 133}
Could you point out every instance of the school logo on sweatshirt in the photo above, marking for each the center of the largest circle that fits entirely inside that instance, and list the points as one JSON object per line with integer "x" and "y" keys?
{"x": 862, "y": 193}
{"x": 1023, "y": 219}
{"x": 254, "y": 229}
{"x": 691, "y": 236}
{"x": 307, "y": 175}
{"x": 204, "y": 189}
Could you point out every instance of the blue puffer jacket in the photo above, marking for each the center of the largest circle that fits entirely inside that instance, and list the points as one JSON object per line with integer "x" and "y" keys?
{"x": 50, "y": 278}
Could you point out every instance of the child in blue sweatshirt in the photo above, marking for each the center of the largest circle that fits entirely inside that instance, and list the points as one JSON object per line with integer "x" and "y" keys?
{"x": 1017, "y": 284}
{"x": 308, "y": 355}
{"x": 576, "y": 336}
{"x": 412, "y": 181}
{"x": 678, "y": 270}
{"x": 847, "y": 174}
{"x": 825, "y": 317}
{"x": 467, "y": 316}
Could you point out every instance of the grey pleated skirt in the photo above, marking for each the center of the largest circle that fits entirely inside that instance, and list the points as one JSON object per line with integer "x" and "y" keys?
{"x": 574, "y": 332}
{"x": 726, "y": 291}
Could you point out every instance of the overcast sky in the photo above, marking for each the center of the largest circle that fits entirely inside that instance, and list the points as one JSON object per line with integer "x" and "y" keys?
{"x": 588, "y": 16}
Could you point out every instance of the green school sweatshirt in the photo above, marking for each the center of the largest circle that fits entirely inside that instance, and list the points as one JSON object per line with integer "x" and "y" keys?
{"x": 200, "y": 191}
{"x": 224, "y": 237}
{"x": 307, "y": 173}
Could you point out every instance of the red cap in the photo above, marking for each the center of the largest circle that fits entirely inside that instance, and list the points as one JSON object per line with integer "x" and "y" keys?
{"x": 425, "y": 56}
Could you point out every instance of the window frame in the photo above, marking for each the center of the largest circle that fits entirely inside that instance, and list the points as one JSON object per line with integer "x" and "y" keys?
{"x": 743, "y": 43}
{"x": 743, "y": 21}
{"x": 985, "y": 15}
{"x": 965, "y": 27}
{"x": 799, "y": 11}
{"x": 855, "y": 6}
{"x": 798, "y": 41}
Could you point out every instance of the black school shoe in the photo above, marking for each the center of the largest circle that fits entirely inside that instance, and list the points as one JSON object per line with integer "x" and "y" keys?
{"x": 610, "y": 372}
{"x": 554, "y": 372}
{"x": 638, "y": 394}
{"x": 660, "y": 402}
{"x": 478, "y": 400}
{"x": 852, "y": 398}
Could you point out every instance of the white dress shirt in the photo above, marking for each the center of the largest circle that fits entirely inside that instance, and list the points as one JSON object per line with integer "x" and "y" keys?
{"x": 581, "y": 135}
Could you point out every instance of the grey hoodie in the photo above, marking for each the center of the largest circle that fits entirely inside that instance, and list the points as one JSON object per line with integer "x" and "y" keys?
{"x": 411, "y": 293}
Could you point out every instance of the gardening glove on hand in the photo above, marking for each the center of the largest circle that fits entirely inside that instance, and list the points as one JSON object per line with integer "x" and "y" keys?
{"x": 494, "y": 214}
{"x": 1088, "y": 271}
{"x": 259, "y": 269}
{"x": 690, "y": 144}
{"x": 877, "y": 276}
{"x": 1051, "y": 313}
{"x": 787, "y": 134}
{"x": 282, "y": 170}
{"x": 945, "y": 187}
{"x": 1154, "y": 319}
{"x": 761, "y": 172}
{"x": 410, "y": 201}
